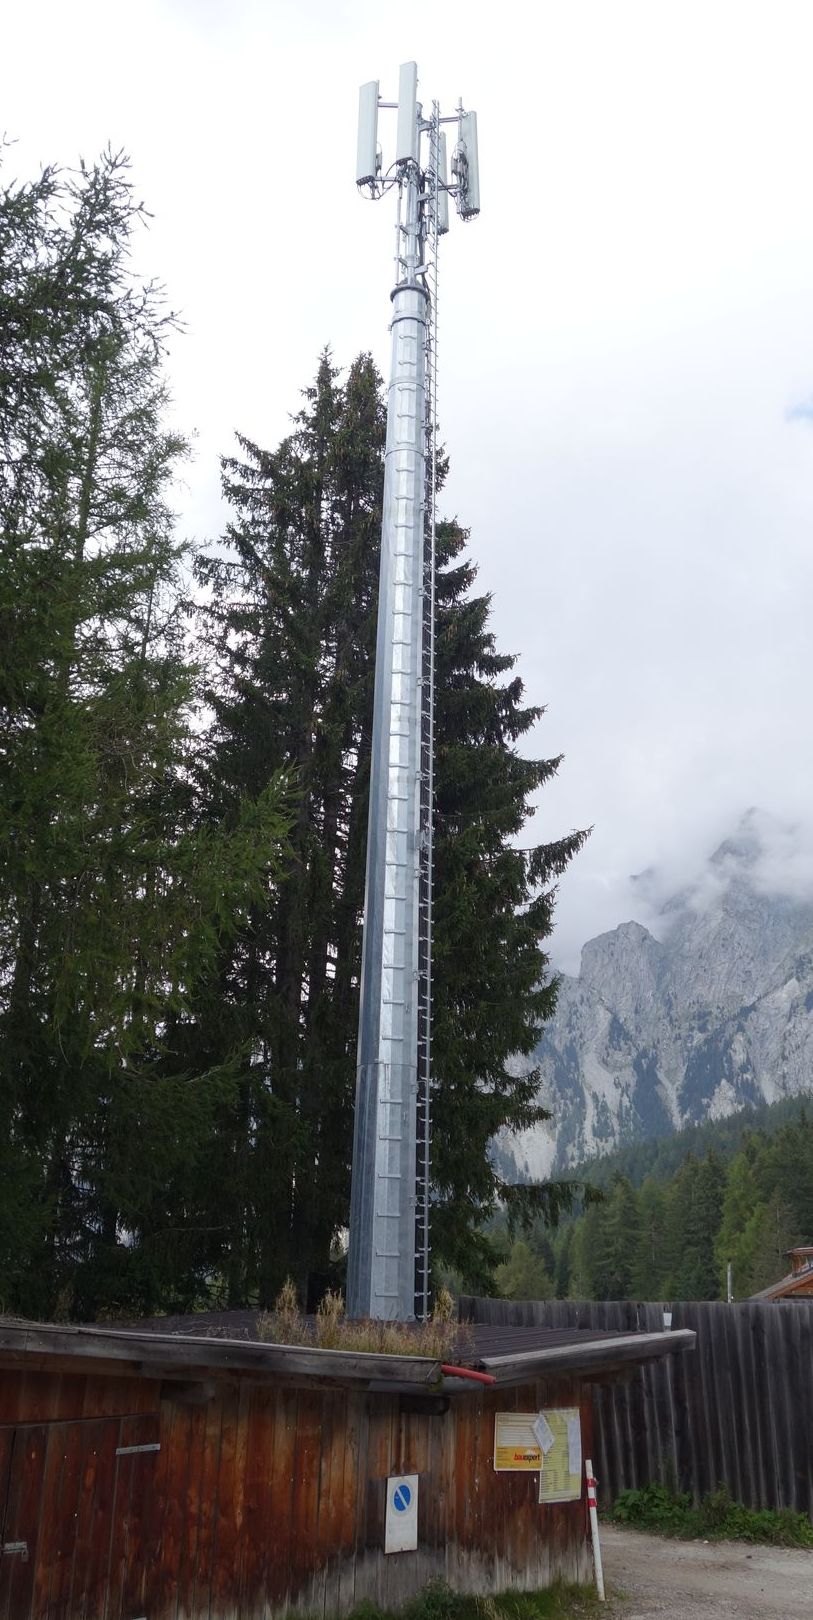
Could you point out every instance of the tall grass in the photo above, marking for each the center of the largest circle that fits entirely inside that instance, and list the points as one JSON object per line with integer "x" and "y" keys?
{"x": 441, "y": 1337}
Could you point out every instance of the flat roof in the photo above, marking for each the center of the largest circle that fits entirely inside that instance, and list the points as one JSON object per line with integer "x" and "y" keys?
{"x": 227, "y": 1344}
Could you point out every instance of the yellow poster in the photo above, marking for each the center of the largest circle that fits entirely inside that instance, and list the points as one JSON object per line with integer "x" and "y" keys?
{"x": 560, "y": 1477}
{"x": 548, "y": 1443}
{"x": 516, "y": 1447}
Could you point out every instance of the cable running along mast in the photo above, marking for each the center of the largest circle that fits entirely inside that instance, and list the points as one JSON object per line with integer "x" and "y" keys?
{"x": 389, "y": 1255}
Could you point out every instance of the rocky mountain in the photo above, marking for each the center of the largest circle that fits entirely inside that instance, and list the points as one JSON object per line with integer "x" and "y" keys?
{"x": 707, "y": 1012}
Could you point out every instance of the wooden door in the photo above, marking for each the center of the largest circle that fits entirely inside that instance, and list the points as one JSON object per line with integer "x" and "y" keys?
{"x": 22, "y": 1467}
{"x": 75, "y": 1512}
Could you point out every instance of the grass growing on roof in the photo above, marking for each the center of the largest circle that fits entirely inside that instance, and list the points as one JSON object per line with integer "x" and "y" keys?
{"x": 667, "y": 1512}
{"x": 442, "y": 1337}
{"x": 438, "y": 1602}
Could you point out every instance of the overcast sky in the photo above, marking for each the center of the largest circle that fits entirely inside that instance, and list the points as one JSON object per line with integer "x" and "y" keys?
{"x": 626, "y": 340}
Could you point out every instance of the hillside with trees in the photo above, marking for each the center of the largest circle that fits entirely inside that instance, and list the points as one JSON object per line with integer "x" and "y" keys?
{"x": 669, "y": 1231}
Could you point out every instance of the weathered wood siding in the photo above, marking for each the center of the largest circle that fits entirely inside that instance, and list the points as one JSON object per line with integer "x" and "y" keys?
{"x": 737, "y": 1411}
{"x": 263, "y": 1500}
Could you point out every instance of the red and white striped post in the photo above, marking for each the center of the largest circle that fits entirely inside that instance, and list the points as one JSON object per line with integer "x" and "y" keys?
{"x": 591, "y": 1503}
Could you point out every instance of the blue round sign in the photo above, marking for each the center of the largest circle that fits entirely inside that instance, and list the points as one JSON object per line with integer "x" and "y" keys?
{"x": 401, "y": 1498}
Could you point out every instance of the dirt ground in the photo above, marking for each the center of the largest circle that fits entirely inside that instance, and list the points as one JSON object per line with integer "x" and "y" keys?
{"x": 650, "y": 1578}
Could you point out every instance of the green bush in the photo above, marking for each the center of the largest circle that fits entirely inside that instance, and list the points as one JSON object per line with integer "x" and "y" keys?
{"x": 439, "y": 1602}
{"x": 718, "y": 1517}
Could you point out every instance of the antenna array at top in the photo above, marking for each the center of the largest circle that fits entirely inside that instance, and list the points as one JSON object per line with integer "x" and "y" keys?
{"x": 410, "y": 126}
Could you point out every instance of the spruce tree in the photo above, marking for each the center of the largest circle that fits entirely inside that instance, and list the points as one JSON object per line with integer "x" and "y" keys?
{"x": 524, "y": 1275}
{"x": 290, "y": 635}
{"x": 111, "y": 897}
{"x": 652, "y": 1259}
{"x": 740, "y": 1200}
{"x": 695, "y": 1212}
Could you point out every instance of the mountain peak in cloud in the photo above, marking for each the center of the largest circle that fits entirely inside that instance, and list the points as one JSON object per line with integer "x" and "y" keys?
{"x": 765, "y": 855}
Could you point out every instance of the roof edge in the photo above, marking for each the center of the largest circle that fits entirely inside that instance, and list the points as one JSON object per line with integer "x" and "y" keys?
{"x": 165, "y": 1352}
{"x": 599, "y": 1355}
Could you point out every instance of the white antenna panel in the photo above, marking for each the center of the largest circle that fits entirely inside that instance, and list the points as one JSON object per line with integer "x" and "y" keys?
{"x": 443, "y": 180}
{"x": 407, "y": 141}
{"x": 366, "y": 165}
{"x": 470, "y": 201}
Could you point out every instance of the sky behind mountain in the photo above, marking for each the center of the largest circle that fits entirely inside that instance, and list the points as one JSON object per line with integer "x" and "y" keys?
{"x": 626, "y": 340}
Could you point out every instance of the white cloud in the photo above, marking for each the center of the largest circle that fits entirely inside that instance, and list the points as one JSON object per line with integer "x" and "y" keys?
{"x": 624, "y": 334}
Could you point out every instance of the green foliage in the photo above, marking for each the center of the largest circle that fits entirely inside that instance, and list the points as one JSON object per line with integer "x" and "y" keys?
{"x": 671, "y": 1238}
{"x": 290, "y": 626}
{"x": 439, "y": 1602}
{"x": 694, "y": 1209}
{"x": 718, "y": 1517}
{"x": 113, "y": 899}
{"x": 661, "y": 1156}
{"x": 183, "y": 818}
{"x": 524, "y": 1275}
{"x": 605, "y": 1245}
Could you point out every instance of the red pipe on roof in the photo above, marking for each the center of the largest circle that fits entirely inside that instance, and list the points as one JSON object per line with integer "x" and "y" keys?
{"x": 467, "y": 1372}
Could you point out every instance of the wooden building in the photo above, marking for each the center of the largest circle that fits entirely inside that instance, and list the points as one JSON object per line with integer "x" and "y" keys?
{"x": 191, "y": 1471}
{"x": 798, "y": 1284}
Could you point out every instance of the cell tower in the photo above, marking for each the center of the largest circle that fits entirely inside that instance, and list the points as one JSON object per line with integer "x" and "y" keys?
{"x": 388, "y": 1262}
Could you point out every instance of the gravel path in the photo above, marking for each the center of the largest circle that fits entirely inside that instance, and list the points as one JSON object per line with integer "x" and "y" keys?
{"x": 650, "y": 1578}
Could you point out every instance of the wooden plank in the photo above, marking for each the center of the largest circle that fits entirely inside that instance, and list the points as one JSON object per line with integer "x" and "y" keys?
{"x": 355, "y": 1429}
{"x": 7, "y": 1438}
{"x": 208, "y": 1510}
{"x": 331, "y": 1495}
{"x": 190, "y": 1437}
{"x": 74, "y": 1438}
{"x": 22, "y": 1520}
{"x": 225, "y": 1553}
{"x": 240, "y": 1453}
{"x": 356, "y": 1504}
{"x": 53, "y": 1530}
{"x": 373, "y": 1473}
{"x": 169, "y": 1488}
{"x": 259, "y": 1528}
{"x": 228, "y": 1524}
{"x": 130, "y": 1549}
{"x": 282, "y": 1472}
{"x": 94, "y": 1520}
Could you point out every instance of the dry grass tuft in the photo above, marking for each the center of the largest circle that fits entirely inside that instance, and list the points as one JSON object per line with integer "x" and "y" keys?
{"x": 441, "y": 1338}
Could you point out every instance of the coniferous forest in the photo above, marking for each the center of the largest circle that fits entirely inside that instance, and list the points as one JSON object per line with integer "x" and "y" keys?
{"x": 184, "y": 758}
{"x": 670, "y": 1222}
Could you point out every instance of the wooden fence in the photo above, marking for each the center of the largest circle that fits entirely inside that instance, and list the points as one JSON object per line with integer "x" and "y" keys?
{"x": 736, "y": 1411}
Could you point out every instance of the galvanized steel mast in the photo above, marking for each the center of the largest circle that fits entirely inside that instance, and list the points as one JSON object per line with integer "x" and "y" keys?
{"x": 388, "y": 1262}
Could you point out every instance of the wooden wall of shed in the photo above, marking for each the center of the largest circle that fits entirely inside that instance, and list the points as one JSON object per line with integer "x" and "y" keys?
{"x": 266, "y": 1499}
{"x": 736, "y": 1411}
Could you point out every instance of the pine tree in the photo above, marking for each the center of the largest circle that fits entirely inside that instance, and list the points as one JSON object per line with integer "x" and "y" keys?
{"x": 524, "y": 1275}
{"x": 740, "y": 1200}
{"x": 110, "y": 897}
{"x": 608, "y": 1239}
{"x": 652, "y": 1261}
{"x": 290, "y": 631}
{"x": 564, "y": 1260}
{"x": 695, "y": 1211}
{"x": 770, "y": 1232}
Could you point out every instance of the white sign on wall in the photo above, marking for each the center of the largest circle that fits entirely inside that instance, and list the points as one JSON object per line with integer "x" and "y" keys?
{"x": 401, "y": 1524}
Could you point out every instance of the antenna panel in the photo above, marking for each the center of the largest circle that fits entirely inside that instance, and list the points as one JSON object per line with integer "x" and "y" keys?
{"x": 443, "y": 180}
{"x": 470, "y": 201}
{"x": 366, "y": 166}
{"x": 407, "y": 140}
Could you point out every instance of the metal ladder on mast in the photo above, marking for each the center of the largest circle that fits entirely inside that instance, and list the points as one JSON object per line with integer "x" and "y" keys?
{"x": 427, "y": 753}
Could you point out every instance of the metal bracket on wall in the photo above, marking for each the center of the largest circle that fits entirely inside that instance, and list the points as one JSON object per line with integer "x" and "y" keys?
{"x": 21, "y": 1547}
{"x": 129, "y": 1451}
